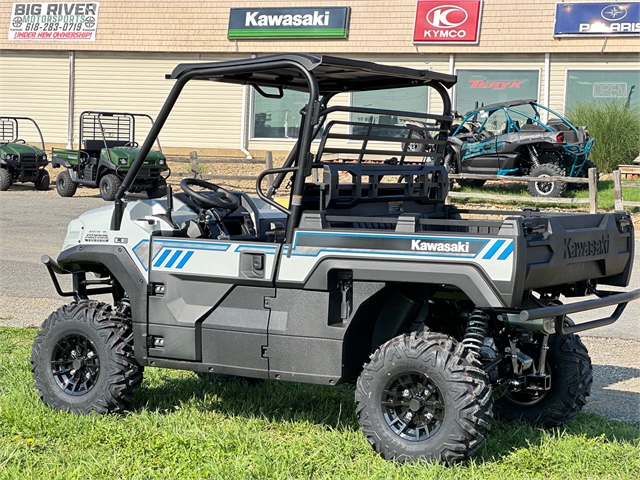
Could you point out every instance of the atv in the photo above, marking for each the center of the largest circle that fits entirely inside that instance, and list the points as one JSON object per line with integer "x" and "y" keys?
{"x": 510, "y": 138}
{"x": 20, "y": 162}
{"x": 108, "y": 148}
{"x": 368, "y": 277}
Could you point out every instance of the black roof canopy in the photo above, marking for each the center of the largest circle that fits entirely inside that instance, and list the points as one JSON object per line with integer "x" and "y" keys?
{"x": 333, "y": 74}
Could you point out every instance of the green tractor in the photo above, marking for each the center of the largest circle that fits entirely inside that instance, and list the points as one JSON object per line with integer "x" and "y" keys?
{"x": 107, "y": 150}
{"x": 20, "y": 162}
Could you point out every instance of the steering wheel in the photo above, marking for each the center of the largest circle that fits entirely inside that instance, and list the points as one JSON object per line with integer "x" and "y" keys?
{"x": 216, "y": 197}
{"x": 131, "y": 144}
{"x": 19, "y": 140}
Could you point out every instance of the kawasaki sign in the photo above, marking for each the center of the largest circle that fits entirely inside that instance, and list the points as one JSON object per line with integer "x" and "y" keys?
{"x": 315, "y": 22}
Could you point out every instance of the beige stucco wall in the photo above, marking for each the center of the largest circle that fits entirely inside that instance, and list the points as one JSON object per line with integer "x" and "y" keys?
{"x": 376, "y": 26}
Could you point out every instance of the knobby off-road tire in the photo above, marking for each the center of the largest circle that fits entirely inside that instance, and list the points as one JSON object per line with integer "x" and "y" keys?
{"x": 422, "y": 396}
{"x": 546, "y": 189}
{"x": 571, "y": 378}
{"x": 64, "y": 185}
{"x": 82, "y": 359}
{"x": 109, "y": 185}
{"x": 43, "y": 181}
{"x": 158, "y": 189}
{"x": 5, "y": 179}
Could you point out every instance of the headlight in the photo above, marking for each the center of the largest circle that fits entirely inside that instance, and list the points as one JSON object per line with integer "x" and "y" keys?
{"x": 7, "y": 156}
{"x": 122, "y": 161}
{"x": 161, "y": 161}
{"x": 44, "y": 157}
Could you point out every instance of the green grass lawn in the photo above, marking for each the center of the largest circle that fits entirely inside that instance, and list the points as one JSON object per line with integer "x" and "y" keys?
{"x": 183, "y": 427}
{"x": 605, "y": 195}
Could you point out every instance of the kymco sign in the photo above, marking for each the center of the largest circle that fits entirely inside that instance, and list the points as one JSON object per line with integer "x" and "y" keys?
{"x": 456, "y": 21}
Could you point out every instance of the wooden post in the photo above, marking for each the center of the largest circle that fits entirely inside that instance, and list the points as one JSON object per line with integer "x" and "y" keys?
{"x": 593, "y": 190}
{"x": 617, "y": 191}
{"x": 268, "y": 158}
{"x": 193, "y": 156}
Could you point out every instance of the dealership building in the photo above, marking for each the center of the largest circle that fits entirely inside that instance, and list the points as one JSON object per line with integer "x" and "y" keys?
{"x": 59, "y": 59}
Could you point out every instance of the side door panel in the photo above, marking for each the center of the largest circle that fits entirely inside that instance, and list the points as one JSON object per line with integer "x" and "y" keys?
{"x": 207, "y": 295}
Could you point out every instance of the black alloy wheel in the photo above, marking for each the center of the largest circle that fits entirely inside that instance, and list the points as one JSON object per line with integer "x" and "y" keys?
{"x": 413, "y": 406}
{"x": 75, "y": 364}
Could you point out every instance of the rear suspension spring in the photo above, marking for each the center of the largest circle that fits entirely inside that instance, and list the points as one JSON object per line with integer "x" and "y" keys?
{"x": 476, "y": 331}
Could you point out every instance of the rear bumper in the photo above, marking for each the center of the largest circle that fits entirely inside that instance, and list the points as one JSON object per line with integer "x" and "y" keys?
{"x": 559, "y": 312}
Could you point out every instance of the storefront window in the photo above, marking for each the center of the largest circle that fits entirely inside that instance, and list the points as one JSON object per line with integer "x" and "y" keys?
{"x": 602, "y": 86}
{"x": 278, "y": 117}
{"x": 411, "y": 99}
{"x": 476, "y": 88}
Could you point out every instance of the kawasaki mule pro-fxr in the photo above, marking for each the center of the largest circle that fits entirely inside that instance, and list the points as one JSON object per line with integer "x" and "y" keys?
{"x": 367, "y": 277}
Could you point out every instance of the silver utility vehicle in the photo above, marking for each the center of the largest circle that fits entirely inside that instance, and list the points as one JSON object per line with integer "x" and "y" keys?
{"x": 368, "y": 276}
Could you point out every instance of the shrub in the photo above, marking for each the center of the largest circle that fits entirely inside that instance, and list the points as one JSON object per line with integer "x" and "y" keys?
{"x": 616, "y": 129}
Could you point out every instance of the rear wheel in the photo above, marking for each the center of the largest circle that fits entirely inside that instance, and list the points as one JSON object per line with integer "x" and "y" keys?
{"x": 109, "y": 185}
{"x": 546, "y": 189}
{"x": 43, "y": 181}
{"x": 158, "y": 189}
{"x": 64, "y": 185}
{"x": 422, "y": 397}
{"x": 82, "y": 359}
{"x": 571, "y": 372}
{"x": 5, "y": 179}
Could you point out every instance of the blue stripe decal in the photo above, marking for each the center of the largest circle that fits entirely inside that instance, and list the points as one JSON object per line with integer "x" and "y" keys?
{"x": 492, "y": 251}
{"x": 382, "y": 252}
{"x": 264, "y": 249}
{"x": 162, "y": 258}
{"x": 184, "y": 260}
{"x": 194, "y": 245}
{"x": 507, "y": 251}
{"x": 174, "y": 258}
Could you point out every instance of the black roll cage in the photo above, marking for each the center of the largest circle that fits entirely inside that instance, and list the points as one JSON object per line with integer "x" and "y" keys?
{"x": 321, "y": 76}
{"x": 15, "y": 122}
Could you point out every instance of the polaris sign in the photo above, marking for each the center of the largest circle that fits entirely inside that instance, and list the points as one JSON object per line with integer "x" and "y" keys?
{"x": 604, "y": 19}
{"x": 317, "y": 22}
{"x": 447, "y": 21}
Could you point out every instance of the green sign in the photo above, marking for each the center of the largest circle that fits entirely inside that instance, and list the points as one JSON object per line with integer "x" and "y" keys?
{"x": 318, "y": 22}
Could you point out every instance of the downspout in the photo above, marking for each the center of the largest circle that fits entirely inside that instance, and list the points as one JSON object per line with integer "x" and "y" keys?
{"x": 547, "y": 87}
{"x": 452, "y": 69}
{"x": 72, "y": 94}
{"x": 243, "y": 124}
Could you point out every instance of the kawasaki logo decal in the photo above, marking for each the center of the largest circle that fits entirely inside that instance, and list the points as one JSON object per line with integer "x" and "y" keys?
{"x": 586, "y": 248}
{"x": 461, "y": 247}
{"x": 320, "y": 22}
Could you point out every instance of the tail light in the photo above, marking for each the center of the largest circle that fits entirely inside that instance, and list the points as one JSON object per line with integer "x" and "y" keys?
{"x": 560, "y": 138}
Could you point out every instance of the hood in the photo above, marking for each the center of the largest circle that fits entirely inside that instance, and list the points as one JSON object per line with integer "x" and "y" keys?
{"x": 19, "y": 148}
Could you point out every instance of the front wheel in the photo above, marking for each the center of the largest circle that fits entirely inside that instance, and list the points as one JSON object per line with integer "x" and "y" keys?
{"x": 109, "y": 185}
{"x": 422, "y": 397}
{"x": 571, "y": 372}
{"x": 82, "y": 359}
{"x": 5, "y": 179}
{"x": 64, "y": 185}
{"x": 546, "y": 189}
{"x": 43, "y": 181}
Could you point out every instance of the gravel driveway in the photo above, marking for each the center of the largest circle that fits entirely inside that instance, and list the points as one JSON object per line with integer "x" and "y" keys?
{"x": 34, "y": 223}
